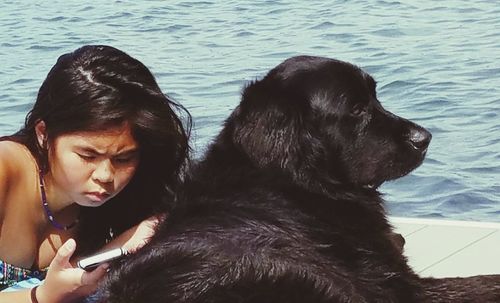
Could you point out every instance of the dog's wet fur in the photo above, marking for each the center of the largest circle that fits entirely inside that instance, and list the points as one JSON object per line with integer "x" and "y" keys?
{"x": 284, "y": 206}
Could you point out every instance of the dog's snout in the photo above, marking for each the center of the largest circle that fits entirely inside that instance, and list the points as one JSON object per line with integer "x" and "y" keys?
{"x": 419, "y": 138}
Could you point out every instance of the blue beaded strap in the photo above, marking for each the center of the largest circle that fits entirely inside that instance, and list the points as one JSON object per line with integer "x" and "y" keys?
{"x": 49, "y": 214}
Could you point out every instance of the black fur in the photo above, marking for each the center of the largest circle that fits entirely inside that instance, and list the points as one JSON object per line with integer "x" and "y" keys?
{"x": 284, "y": 207}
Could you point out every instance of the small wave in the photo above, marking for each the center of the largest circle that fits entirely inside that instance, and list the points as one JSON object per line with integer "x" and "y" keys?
{"x": 177, "y": 27}
{"x": 388, "y": 32}
{"x": 244, "y": 34}
{"x": 277, "y": 11}
{"x": 192, "y": 4}
{"x": 86, "y": 8}
{"x": 344, "y": 37}
{"x": 21, "y": 81}
{"x": 45, "y": 47}
{"x": 324, "y": 25}
{"x": 54, "y": 19}
{"x": 398, "y": 84}
{"x": 464, "y": 202}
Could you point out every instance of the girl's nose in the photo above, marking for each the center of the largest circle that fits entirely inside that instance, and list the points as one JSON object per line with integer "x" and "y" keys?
{"x": 104, "y": 172}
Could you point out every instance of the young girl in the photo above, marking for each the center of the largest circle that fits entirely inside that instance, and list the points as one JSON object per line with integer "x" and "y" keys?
{"x": 101, "y": 151}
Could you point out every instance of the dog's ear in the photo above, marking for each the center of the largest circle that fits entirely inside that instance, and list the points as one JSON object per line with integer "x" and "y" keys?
{"x": 269, "y": 125}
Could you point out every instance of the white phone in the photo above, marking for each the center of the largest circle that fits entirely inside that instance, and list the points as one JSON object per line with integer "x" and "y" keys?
{"x": 92, "y": 262}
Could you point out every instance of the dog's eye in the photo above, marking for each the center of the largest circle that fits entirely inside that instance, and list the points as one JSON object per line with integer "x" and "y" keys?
{"x": 358, "y": 110}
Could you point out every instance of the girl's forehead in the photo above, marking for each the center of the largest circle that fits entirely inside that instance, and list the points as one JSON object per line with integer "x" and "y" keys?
{"x": 112, "y": 140}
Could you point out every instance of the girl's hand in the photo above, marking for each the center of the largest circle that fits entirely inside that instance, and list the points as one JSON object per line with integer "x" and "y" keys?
{"x": 65, "y": 283}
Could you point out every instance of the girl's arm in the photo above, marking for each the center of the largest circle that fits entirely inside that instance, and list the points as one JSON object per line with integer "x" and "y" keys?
{"x": 5, "y": 178}
{"x": 21, "y": 296}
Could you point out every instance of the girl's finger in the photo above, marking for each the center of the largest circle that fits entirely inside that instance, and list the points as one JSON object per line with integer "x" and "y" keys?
{"x": 63, "y": 254}
{"x": 92, "y": 277}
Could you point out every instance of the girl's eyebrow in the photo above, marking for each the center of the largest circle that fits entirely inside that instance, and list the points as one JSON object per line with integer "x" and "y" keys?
{"x": 128, "y": 152}
{"x": 87, "y": 150}
{"x": 91, "y": 150}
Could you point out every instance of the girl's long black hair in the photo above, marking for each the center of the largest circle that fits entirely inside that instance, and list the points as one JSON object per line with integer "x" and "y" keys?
{"x": 96, "y": 87}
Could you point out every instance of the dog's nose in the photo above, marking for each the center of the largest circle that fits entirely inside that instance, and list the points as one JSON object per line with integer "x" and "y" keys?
{"x": 419, "y": 138}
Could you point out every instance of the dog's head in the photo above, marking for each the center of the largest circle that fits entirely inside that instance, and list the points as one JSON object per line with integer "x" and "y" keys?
{"x": 320, "y": 118}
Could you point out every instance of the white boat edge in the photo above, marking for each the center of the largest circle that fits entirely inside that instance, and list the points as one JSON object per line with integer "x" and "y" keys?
{"x": 450, "y": 248}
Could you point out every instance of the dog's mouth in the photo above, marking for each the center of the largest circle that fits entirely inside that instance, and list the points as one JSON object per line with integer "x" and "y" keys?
{"x": 372, "y": 186}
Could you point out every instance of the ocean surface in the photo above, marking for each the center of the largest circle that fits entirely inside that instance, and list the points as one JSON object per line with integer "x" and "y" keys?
{"x": 436, "y": 62}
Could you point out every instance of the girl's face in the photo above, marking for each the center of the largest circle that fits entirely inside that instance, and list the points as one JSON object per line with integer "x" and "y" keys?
{"x": 89, "y": 168}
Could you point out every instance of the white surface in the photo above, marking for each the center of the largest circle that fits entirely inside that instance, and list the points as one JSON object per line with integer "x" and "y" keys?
{"x": 442, "y": 248}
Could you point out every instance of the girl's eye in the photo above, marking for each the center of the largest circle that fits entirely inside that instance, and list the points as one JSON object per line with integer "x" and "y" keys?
{"x": 124, "y": 160}
{"x": 87, "y": 157}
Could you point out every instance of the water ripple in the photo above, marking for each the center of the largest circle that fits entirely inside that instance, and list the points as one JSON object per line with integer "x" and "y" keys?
{"x": 435, "y": 62}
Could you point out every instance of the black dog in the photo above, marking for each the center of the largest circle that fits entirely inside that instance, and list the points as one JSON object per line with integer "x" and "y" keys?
{"x": 284, "y": 207}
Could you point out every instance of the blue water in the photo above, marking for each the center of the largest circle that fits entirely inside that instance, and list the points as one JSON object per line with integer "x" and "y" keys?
{"x": 436, "y": 62}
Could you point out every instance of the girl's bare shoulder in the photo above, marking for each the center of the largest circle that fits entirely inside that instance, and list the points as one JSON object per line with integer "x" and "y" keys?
{"x": 15, "y": 161}
{"x": 14, "y": 155}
